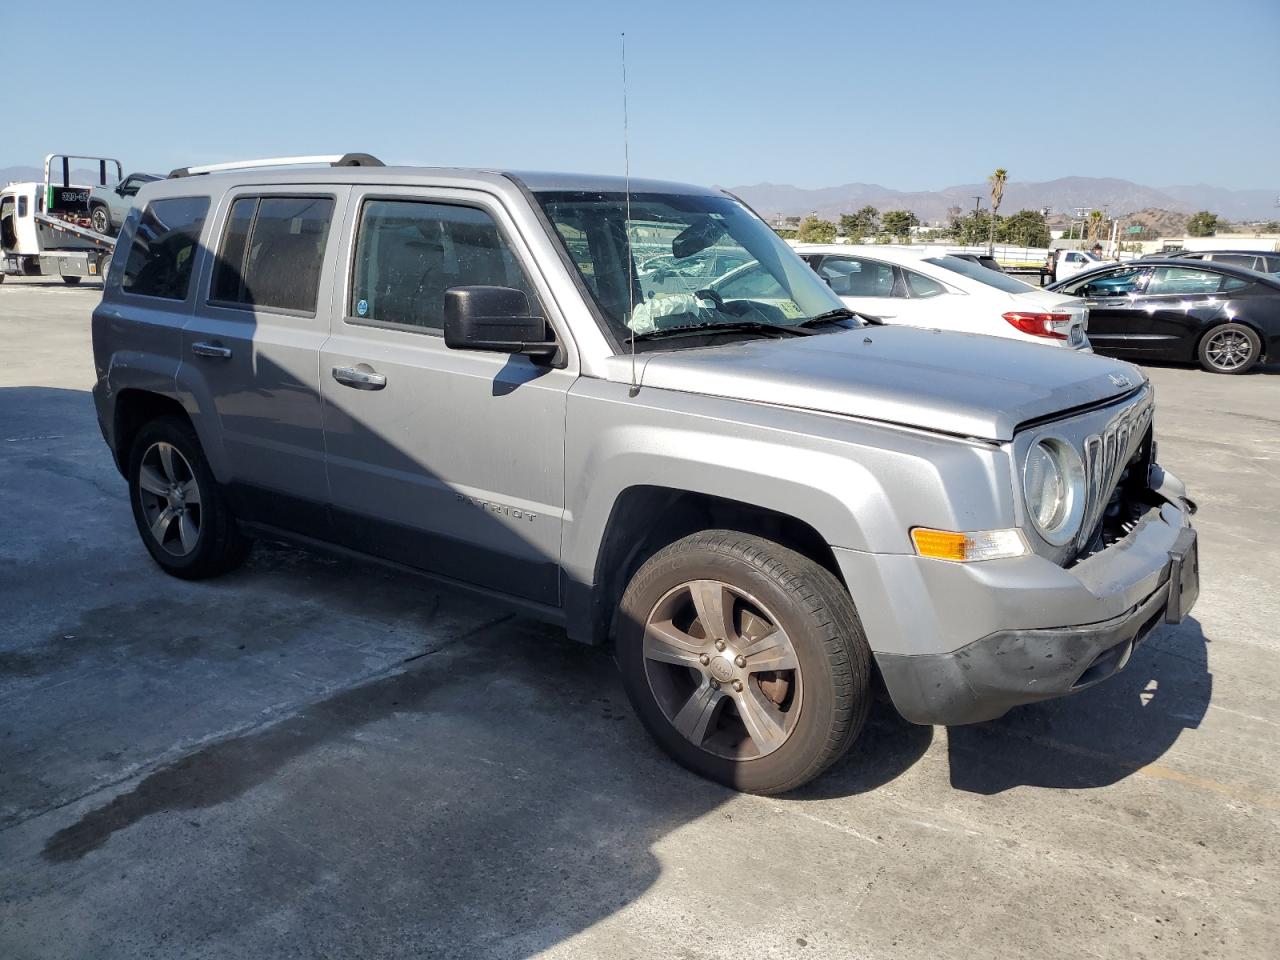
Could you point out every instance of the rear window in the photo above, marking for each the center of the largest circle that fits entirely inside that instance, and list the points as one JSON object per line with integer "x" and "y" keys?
{"x": 271, "y": 253}
{"x": 976, "y": 271}
{"x": 163, "y": 248}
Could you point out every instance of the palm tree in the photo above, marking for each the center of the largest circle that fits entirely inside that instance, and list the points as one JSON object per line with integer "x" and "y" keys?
{"x": 997, "y": 181}
{"x": 1095, "y": 225}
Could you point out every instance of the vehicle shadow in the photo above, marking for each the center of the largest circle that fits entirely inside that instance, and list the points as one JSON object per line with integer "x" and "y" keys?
{"x": 1270, "y": 367}
{"x": 1099, "y": 736}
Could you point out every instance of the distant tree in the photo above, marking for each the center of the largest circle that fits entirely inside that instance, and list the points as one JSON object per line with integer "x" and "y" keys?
{"x": 1027, "y": 228}
{"x": 1271, "y": 226}
{"x": 864, "y": 223}
{"x": 997, "y": 181}
{"x": 972, "y": 229}
{"x": 1097, "y": 220}
{"x": 898, "y": 223}
{"x": 785, "y": 234}
{"x": 1203, "y": 224}
{"x": 814, "y": 230}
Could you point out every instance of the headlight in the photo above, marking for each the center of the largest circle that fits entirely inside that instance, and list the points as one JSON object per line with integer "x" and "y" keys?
{"x": 1053, "y": 486}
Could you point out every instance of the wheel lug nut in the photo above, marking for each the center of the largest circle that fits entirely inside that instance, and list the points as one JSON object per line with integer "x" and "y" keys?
{"x": 719, "y": 644}
{"x": 740, "y": 660}
{"x": 704, "y": 659}
{"x": 715, "y": 684}
{"x": 737, "y": 686}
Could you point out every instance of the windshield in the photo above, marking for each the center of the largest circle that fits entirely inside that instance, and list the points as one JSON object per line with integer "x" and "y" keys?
{"x": 683, "y": 261}
{"x": 976, "y": 271}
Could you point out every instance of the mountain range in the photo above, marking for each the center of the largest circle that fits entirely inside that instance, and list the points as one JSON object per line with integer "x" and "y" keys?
{"x": 1064, "y": 195}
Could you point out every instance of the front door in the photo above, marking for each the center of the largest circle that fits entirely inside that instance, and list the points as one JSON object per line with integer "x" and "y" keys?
{"x": 451, "y": 461}
{"x": 253, "y": 347}
{"x": 868, "y": 287}
{"x": 1116, "y": 318}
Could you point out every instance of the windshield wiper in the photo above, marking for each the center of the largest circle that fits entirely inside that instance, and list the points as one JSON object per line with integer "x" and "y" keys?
{"x": 839, "y": 313}
{"x": 738, "y": 326}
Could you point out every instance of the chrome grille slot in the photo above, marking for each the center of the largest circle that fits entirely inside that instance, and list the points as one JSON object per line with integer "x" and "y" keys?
{"x": 1106, "y": 455}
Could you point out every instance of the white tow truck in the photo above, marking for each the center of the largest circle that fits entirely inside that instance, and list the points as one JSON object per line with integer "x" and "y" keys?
{"x": 45, "y": 228}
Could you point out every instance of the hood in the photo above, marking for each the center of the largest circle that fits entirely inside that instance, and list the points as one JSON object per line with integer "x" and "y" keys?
{"x": 962, "y": 384}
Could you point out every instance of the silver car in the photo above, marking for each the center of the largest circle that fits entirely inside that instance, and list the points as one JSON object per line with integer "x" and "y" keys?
{"x": 767, "y": 505}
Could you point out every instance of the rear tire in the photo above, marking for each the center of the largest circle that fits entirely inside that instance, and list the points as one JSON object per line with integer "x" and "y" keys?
{"x": 181, "y": 515}
{"x": 100, "y": 217}
{"x": 71, "y": 281}
{"x": 776, "y": 687}
{"x": 1229, "y": 348}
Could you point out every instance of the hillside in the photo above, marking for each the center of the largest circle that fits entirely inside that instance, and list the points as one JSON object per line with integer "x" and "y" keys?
{"x": 1061, "y": 195}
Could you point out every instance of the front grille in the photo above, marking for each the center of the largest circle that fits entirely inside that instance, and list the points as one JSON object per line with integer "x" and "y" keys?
{"x": 1107, "y": 456}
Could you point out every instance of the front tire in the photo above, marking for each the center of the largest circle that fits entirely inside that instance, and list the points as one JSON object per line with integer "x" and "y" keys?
{"x": 181, "y": 515}
{"x": 1229, "y": 348}
{"x": 71, "y": 281}
{"x": 744, "y": 660}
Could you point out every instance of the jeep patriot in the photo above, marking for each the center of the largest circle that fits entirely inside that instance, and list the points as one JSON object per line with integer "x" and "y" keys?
{"x": 769, "y": 505}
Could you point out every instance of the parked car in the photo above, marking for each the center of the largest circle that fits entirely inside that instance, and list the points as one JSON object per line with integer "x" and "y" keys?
{"x": 1250, "y": 259}
{"x": 751, "y": 496}
{"x": 108, "y": 206}
{"x": 1067, "y": 263}
{"x": 1225, "y": 317}
{"x": 922, "y": 289}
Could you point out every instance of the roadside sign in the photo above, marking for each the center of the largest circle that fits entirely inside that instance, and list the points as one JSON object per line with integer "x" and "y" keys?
{"x": 1137, "y": 229}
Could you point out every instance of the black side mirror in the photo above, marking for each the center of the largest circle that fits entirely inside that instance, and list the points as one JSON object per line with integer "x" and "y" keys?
{"x": 494, "y": 318}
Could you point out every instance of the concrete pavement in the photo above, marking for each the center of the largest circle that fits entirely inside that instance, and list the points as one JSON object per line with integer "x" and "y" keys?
{"x": 315, "y": 758}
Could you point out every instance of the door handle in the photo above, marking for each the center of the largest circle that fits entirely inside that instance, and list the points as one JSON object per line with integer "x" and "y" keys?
{"x": 361, "y": 377}
{"x": 215, "y": 349}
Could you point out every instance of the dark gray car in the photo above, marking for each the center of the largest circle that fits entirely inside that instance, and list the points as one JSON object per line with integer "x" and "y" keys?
{"x": 767, "y": 505}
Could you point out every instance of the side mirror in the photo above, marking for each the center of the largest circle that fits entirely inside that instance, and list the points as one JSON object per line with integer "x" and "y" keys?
{"x": 496, "y": 319}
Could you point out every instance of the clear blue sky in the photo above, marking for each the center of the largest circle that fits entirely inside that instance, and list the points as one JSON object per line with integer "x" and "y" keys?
{"x": 912, "y": 95}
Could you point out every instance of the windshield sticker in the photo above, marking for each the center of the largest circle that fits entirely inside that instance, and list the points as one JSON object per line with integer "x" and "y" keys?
{"x": 362, "y": 307}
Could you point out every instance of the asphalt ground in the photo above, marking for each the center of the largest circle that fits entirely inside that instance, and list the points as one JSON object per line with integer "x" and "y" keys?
{"x": 317, "y": 758}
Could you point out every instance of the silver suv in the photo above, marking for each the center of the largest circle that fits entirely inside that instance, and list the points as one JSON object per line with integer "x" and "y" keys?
{"x": 769, "y": 505}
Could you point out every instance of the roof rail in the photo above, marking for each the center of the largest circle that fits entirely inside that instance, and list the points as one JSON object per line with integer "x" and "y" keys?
{"x": 332, "y": 160}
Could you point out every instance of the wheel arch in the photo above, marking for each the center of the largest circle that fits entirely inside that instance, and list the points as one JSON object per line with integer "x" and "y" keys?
{"x": 135, "y": 408}
{"x": 646, "y": 517}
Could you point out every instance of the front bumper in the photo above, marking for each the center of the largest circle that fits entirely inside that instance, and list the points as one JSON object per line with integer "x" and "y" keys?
{"x": 1041, "y": 631}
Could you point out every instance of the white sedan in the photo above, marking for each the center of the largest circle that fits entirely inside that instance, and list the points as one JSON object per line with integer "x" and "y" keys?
{"x": 920, "y": 288}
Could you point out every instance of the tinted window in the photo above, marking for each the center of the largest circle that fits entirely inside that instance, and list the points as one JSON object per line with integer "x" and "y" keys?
{"x": 163, "y": 248}
{"x": 272, "y": 251}
{"x": 1112, "y": 283}
{"x": 922, "y": 286}
{"x": 1184, "y": 281}
{"x": 1271, "y": 264}
{"x": 984, "y": 275}
{"x": 408, "y": 253}
{"x": 22, "y": 206}
{"x": 1239, "y": 259}
{"x": 855, "y": 277}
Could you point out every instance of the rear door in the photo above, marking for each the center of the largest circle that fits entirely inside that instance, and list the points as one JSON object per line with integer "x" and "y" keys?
{"x": 253, "y": 348}
{"x": 1181, "y": 301}
{"x": 451, "y": 461}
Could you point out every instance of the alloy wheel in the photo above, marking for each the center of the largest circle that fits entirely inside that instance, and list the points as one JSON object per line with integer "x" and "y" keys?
{"x": 100, "y": 220}
{"x": 1228, "y": 350}
{"x": 722, "y": 669}
{"x": 170, "y": 498}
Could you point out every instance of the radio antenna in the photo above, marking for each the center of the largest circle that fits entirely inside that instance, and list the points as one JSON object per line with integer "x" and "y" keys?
{"x": 626, "y": 227}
